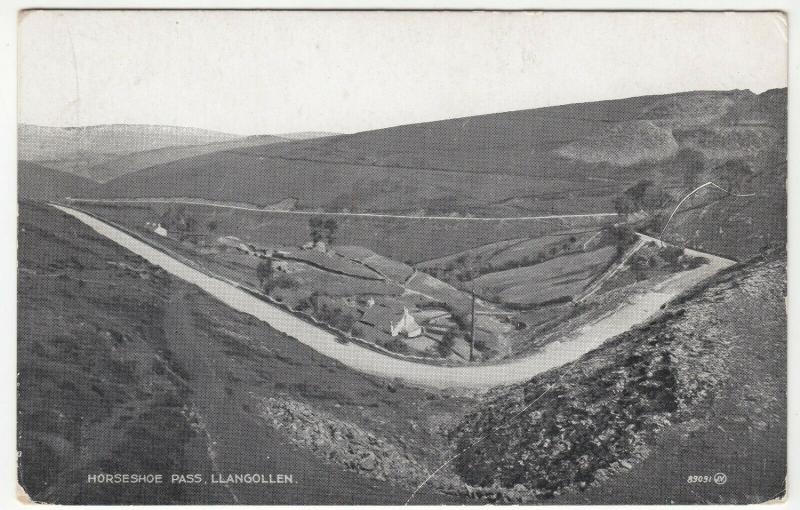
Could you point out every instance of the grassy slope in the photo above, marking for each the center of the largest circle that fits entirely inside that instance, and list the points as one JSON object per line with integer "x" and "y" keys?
{"x": 404, "y": 239}
{"x": 96, "y": 393}
{"x": 739, "y": 227}
{"x": 36, "y": 182}
{"x": 482, "y": 163}
{"x": 136, "y": 161}
{"x": 698, "y": 391}
{"x": 140, "y": 372}
{"x": 557, "y": 278}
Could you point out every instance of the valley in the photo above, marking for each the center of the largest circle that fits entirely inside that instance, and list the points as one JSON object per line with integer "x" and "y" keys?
{"x": 587, "y": 337}
{"x": 467, "y": 310}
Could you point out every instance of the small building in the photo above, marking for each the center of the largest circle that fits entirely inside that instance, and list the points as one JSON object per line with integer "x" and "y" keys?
{"x": 160, "y": 230}
{"x": 395, "y": 322}
{"x": 229, "y": 241}
{"x": 364, "y": 302}
{"x": 320, "y": 246}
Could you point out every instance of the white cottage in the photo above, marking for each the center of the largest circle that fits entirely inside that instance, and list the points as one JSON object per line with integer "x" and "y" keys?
{"x": 392, "y": 321}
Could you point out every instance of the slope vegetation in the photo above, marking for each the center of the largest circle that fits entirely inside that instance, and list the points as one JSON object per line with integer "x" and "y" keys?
{"x": 124, "y": 369}
{"x": 698, "y": 391}
{"x": 740, "y": 227}
{"x": 136, "y": 161}
{"x": 563, "y": 159}
{"x": 36, "y": 182}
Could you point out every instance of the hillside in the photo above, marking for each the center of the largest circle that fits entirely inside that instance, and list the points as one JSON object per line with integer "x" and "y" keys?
{"x": 35, "y": 182}
{"x": 136, "y": 161}
{"x": 625, "y": 144}
{"x": 698, "y": 391}
{"x": 546, "y": 161}
{"x": 125, "y": 369}
{"x": 307, "y": 135}
{"x": 76, "y": 149}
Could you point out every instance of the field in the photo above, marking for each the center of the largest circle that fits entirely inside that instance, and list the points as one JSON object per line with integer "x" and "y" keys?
{"x": 556, "y": 279}
{"x": 332, "y": 263}
{"x": 408, "y": 240}
{"x": 390, "y": 268}
{"x": 461, "y": 267}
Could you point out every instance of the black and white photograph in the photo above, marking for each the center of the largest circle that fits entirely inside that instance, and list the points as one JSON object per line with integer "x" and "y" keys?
{"x": 390, "y": 257}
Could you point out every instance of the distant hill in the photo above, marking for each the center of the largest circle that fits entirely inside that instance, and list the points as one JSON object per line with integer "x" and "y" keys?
{"x": 76, "y": 149}
{"x": 136, "y": 161}
{"x": 556, "y": 160}
{"x": 307, "y": 135}
{"x": 36, "y": 182}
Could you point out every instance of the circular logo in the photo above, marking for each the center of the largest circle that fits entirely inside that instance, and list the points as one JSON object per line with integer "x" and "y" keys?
{"x": 720, "y": 478}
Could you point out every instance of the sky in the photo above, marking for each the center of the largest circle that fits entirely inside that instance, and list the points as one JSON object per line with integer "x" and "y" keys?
{"x": 274, "y": 72}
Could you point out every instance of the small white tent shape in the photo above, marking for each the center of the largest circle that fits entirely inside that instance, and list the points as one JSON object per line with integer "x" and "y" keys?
{"x": 161, "y": 230}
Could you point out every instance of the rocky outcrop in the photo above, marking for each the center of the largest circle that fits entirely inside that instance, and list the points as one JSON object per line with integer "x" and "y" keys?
{"x": 579, "y": 425}
{"x": 349, "y": 445}
{"x": 625, "y": 144}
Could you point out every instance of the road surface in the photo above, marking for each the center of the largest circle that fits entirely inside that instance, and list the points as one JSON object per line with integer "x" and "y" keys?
{"x": 317, "y": 213}
{"x": 636, "y": 310}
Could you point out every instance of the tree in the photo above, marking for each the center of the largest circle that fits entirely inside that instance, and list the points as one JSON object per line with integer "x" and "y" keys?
{"x": 315, "y": 226}
{"x": 323, "y": 229}
{"x": 264, "y": 271}
{"x": 735, "y": 172}
{"x": 622, "y": 237}
{"x": 638, "y": 191}
{"x": 623, "y": 204}
{"x": 642, "y": 196}
{"x": 189, "y": 224}
{"x": 692, "y": 163}
{"x": 330, "y": 226}
{"x": 445, "y": 346}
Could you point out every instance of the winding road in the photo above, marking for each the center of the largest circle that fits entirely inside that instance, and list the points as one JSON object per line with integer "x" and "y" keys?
{"x": 636, "y": 310}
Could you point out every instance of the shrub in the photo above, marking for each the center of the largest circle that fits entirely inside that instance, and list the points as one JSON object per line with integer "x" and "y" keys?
{"x": 397, "y": 345}
{"x": 671, "y": 254}
{"x": 280, "y": 282}
{"x": 444, "y": 347}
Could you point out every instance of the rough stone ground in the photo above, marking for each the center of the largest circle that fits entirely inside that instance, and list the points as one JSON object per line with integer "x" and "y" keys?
{"x": 347, "y": 444}
{"x": 698, "y": 391}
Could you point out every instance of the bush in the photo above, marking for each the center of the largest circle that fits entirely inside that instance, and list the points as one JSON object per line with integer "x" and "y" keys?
{"x": 397, "y": 345}
{"x": 280, "y": 282}
{"x": 444, "y": 347}
{"x": 622, "y": 237}
{"x": 671, "y": 254}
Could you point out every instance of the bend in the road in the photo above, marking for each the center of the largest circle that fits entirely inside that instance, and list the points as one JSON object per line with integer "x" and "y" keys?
{"x": 638, "y": 309}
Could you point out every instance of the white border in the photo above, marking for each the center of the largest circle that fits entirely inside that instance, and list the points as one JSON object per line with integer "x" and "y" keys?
{"x": 8, "y": 204}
